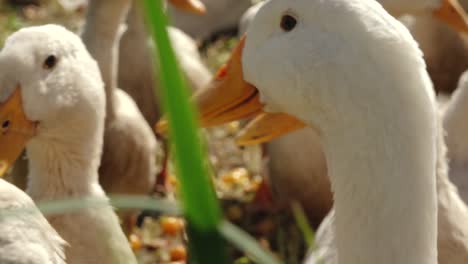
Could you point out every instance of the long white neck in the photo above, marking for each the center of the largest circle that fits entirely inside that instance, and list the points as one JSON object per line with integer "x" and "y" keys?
{"x": 64, "y": 161}
{"x": 101, "y": 35}
{"x": 382, "y": 168}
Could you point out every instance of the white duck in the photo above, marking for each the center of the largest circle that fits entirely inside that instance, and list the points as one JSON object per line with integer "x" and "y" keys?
{"x": 60, "y": 120}
{"x": 361, "y": 82}
{"x": 136, "y": 74}
{"x": 290, "y": 174}
{"x": 349, "y": 80}
{"x": 26, "y": 236}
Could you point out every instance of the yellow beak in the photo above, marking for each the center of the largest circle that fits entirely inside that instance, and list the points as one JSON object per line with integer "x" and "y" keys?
{"x": 15, "y": 130}
{"x": 229, "y": 97}
{"x": 192, "y": 6}
{"x": 452, "y": 13}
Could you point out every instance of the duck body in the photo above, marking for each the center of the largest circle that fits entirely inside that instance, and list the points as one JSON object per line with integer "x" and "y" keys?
{"x": 63, "y": 96}
{"x": 27, "y": 237}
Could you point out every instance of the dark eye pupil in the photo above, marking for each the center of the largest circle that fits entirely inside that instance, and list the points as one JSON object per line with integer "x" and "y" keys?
{"x": 6, "y": 124}
{"x": 288, "y": 23}
{"x": 50, "y": 62}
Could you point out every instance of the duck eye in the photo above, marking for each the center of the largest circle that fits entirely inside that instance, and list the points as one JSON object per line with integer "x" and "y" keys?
{"x": 50, "y": 62}
{"x": 288, "y": 23}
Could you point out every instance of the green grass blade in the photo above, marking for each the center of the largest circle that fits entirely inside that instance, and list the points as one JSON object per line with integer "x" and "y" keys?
{"x": 303, "y": 223}
{"x": 121, "y": 202}
{"x": 199, "y": 201}
{"x": 246, "y": 243}
{"x": 118, "y": 201}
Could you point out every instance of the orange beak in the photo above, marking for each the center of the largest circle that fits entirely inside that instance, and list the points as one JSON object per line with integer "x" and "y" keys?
{"x": 192, "y": 6}
{"x": 229, "y": 97}
{"x": 15, "y": 130}
{"x": 452, "y": 13}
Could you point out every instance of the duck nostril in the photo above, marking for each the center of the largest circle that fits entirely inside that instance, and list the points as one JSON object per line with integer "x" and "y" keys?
{"x": 6, "y": 124}
{"x": 3, "y": 167}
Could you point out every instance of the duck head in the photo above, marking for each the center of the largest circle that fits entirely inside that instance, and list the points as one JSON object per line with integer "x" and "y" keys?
{"x": 296, "y": 66}
{"x": 50, "y": 88}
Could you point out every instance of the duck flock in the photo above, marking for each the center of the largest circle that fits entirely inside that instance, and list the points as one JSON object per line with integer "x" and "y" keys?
{"x": 361, "y": 105}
